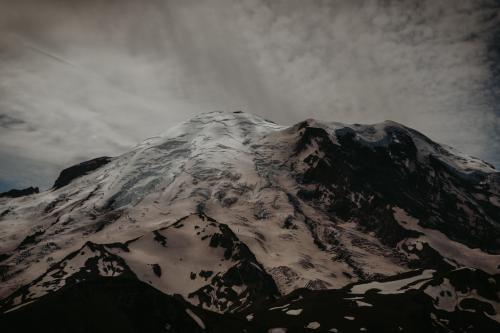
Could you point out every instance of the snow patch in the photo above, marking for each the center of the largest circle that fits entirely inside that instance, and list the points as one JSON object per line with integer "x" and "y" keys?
{"x": 196, "y": 318}
{"x": 294, "y": 312}
{"x": 277, "y": 330}
{"x": 448, "y": 248}
{"x": 361, "y": 303}
{"x": 314, "y": 325}
{"x": 394, "y": 287}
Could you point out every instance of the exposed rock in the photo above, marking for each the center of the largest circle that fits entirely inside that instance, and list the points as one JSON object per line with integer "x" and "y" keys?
{"x": 69, "y": 174}
{"x": 14, "y": 193}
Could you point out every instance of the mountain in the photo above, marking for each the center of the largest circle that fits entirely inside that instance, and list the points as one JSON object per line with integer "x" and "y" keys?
{"x": 15, "y": 193}
{"x": 229, "y": 222}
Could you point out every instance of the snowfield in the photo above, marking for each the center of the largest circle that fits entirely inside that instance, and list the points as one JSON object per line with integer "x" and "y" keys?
{"x": 229, "y": 210}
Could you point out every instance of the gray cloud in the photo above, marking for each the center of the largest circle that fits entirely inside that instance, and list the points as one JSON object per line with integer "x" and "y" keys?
{"x": 9, "y": 122}
{"x": 89, "y": 78}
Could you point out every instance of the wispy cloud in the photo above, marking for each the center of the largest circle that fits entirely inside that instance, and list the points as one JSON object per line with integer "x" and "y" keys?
{"x": 88, "y": 78}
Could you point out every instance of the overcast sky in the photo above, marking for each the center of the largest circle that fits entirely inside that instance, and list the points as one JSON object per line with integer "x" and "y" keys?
{"x": 81, "y": 79}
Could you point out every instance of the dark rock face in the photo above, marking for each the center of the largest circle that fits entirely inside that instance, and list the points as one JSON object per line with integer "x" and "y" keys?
{"x": 247, "y": 273}
{"x": 30, "y": 239}
{"x": 78, "y": 170}
{"x": 412, "y": 311}
{"x": 364, "y": 181}
{"x": 125, "y": 304}
{"x": 103, "y": 305}
{"x": 14, "y": 193}
{"x": 243, "y": 284}
{"x": 97, "y": 261}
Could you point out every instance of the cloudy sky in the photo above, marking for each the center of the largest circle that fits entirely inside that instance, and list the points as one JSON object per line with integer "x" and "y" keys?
{"x": 81, "y": 79}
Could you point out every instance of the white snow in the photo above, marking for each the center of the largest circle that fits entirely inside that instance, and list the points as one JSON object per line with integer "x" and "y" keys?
{"x": 279, "y": 307}
{"x": 294, "y": 312}
{"x": 277, "y": 330}
{"x": 314, "y": 325}
{"x": 448, "y": 248}
{"x": 464, "y": 163}
{"x": 18, "y": 306}
{"x": 196, "y": 318}
{"x": 361, "y": 303}
{"x": 443, "y": 302}
{"x": 164, "y": 179}
{"x": 185, "y": 253}
{"x": 394, "y": 287}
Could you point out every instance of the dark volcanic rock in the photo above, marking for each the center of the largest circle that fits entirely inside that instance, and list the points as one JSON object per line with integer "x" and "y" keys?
{"x": 259, "y": 287}
{"x": 68, "y": 175}
{"x": 129, "y": 305}
{"x": 103, "y": 305}
{"x": 335, "y": 311}
{"x": 97, "y": 261}
{"x": 389, "y": 173}
{"x": 14, "y": 193}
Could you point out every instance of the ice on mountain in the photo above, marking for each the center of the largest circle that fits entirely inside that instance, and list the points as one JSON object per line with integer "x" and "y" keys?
{"x": 314, "y": 325}
{"x": 247, "y": 173}
{"x": 294, "y": 312}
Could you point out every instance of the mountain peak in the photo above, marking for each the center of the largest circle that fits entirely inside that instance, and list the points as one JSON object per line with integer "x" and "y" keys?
{"x": 317, "y": 205}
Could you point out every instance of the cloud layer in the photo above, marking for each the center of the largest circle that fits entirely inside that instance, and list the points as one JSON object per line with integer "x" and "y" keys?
{"x": 87, "y": 78}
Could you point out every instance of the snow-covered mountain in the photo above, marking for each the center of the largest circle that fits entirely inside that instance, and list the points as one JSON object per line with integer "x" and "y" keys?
{"x": 255, "y": 226}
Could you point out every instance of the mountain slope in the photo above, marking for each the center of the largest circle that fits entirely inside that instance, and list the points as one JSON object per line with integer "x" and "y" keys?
{"x": 230, "y": 211}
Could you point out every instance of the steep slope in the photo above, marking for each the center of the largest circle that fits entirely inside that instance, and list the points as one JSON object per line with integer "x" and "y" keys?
{"x": 15, "y": 193}
{"x": 406, "y": 303}
{"x": 196, "y": 257}
{"x": 98, "y": 305}
{"x": 229, "y": 210}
